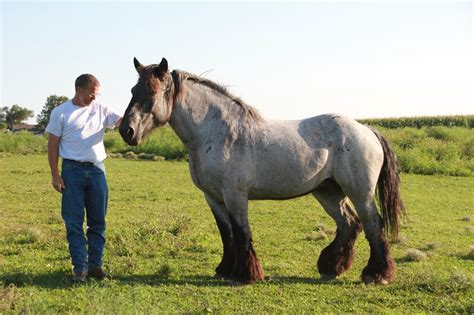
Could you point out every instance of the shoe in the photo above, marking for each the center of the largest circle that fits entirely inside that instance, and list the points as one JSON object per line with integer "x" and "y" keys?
{"x": 79, "y": 277}
{"x": 97, "y": 272}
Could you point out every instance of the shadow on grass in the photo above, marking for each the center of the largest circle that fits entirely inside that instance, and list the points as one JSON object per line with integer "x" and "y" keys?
{"x": 402, "y": 260}
{"x": 158, "y": 280}
{"x": 408, "y": 260}
{"x": 464, "y": 257}
{"x": 62, "y": 279}
{"x": 305, "y": 280}
{"x": 208, "y": 281}
{"x": 53, "y": 280}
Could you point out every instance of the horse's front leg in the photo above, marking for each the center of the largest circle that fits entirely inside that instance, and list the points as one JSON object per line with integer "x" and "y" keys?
{"x": 247, "y": 268}
{"x": 227, "y": 264}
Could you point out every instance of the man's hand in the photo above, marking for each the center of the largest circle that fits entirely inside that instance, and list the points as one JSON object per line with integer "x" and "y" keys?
{"x": 117, "y": 124}
{"x": 58, "y": 183}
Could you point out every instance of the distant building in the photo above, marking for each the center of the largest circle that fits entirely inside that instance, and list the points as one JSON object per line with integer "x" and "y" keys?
{"x": 31, "y": 128}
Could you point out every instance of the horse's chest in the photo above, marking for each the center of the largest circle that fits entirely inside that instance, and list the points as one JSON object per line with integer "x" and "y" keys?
{"x": 206, "y": 175}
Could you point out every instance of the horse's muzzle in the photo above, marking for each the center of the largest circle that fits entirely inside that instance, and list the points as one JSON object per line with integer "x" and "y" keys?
{"x": 128, "y": 134}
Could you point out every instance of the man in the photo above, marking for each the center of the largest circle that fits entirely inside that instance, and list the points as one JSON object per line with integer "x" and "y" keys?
{"x": 76, "y": 131}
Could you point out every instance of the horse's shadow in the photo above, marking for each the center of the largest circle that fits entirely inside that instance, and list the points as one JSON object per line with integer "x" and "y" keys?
{"x": 278, "y": 279}
{"x": 61, "y": 279}
{"x": 204, "y": 280}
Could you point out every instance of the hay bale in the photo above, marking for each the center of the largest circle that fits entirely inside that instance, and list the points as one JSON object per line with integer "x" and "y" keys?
{"x": 158, "y": 158}
{"x": 32, "y": 235}
{"x": 130, "y": 155}
{"x": 112, "y": 155}
{"x": 471, "y": 251}
{"x": 146, "y": 156}
{"x": 431, "y": 246}
{"x": 316, "y": 236}
{"x": 414, "y": 254}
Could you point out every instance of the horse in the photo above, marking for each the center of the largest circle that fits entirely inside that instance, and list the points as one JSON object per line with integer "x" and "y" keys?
{"x": 236, "y": 155}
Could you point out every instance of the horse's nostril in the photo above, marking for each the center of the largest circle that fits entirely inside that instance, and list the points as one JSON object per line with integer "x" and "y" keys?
{"x": 130, "y": 132}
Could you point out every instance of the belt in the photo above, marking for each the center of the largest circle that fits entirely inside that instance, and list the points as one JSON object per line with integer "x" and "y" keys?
{"x": 80, "y": 163}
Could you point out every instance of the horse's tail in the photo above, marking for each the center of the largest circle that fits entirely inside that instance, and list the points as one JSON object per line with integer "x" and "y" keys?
{"x": 388, "y": 185}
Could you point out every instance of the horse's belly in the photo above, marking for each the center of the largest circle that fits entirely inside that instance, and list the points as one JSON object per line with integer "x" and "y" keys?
{"x": 290, "y": 176}
{"x": 282, "y": 192}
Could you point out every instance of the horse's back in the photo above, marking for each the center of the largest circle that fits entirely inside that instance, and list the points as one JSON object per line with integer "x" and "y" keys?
{"x": 331, "y": 131}
{"x": 294, "y": 157}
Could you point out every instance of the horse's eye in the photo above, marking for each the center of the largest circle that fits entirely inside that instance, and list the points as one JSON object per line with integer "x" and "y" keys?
{"x": 147, "y": 106}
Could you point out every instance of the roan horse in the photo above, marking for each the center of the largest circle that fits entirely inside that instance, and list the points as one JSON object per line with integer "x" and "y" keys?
{"x": 235, "y": 156}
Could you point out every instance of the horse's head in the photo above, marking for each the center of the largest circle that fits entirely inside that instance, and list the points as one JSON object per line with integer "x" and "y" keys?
{"x": 151, "y": 102}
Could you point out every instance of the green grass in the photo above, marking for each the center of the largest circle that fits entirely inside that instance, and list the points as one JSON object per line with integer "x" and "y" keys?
{"x": 434, "y": 150}
{"x": 162, "y": 142}
{"x": 163, "y": 245}
{"x": 22, "y": 142}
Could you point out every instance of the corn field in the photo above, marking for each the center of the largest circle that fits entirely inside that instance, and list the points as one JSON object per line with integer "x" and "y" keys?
{"x": 465, "y": 121}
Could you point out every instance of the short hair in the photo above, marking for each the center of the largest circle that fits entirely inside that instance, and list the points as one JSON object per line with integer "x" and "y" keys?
{"x": 84, "y": 80}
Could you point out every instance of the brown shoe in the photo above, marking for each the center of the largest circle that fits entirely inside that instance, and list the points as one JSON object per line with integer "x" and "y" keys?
{"x": 97, "y": 272}
{"x": 79, "y": 277}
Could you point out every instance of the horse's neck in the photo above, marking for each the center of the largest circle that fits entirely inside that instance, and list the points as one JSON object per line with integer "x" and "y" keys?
{"x": 190, "y": 118}
{"x": 205, "y": 116}
{"x": 183, "y": 125}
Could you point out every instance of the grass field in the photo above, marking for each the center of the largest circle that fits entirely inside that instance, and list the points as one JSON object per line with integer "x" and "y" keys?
{"x": 163, "y": 246}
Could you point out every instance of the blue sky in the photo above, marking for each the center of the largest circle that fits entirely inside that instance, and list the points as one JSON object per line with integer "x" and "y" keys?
{"x": 290, "y": 61}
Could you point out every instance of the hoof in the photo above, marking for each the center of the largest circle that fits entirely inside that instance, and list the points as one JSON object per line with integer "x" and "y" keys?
{"x": 327, "y": 277}
{"x": 374, "y": 280}
{"x": 237, "y": 281}
{"x": 232, "y": 280}
{"x": 221, "y": 277}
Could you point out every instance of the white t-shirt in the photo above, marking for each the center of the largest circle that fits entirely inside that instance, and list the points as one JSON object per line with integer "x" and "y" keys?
{"x": 81, "y": 130}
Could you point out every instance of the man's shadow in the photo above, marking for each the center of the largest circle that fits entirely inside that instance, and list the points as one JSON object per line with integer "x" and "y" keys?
{"x": 53, "y": 280}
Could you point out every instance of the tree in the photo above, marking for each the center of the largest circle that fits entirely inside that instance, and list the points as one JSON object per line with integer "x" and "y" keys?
{"x": 16, "y": 115}
{"x": 3, "y": 113}
{"x": 51, "y": 102}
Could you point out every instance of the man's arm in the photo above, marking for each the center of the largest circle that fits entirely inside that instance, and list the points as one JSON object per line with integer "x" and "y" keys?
{"x": 117, "y": 124}
{"x": 53, "y": 157}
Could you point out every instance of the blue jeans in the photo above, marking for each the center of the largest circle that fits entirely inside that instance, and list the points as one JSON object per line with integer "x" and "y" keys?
{"x": 86, "y": 187}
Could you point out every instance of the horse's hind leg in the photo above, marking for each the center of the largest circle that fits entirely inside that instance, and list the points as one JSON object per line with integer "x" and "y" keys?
{"x": 337, "y": 257}
{"x": 227, "y": 264}
{"x": 381, "y": 267}
{"x": 247, "y": 268}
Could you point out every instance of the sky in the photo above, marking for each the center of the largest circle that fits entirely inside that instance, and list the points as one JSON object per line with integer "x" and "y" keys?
{"x": 289, "y": 60}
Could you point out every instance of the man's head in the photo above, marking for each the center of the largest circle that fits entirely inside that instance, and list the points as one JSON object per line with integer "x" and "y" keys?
{"x": 87, "y": 89}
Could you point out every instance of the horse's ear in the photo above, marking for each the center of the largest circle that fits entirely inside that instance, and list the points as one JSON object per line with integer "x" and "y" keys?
{"x": 161, "y": 70}
{"x": 138, "y": 66}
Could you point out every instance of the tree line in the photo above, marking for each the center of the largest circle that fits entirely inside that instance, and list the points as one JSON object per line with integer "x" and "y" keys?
{"x": 10, "y": 116}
